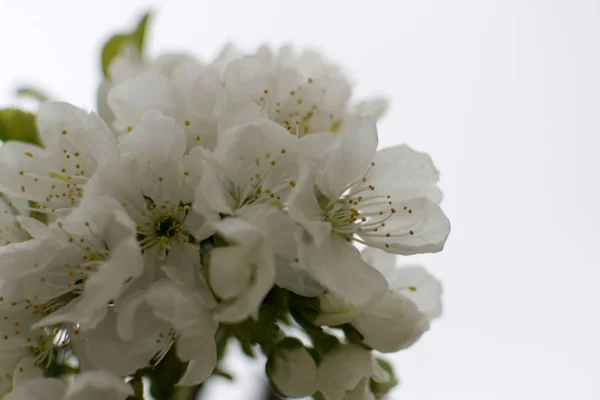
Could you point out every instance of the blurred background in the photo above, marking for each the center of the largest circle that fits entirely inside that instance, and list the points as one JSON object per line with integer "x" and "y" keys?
{"x": 505, "y": 96}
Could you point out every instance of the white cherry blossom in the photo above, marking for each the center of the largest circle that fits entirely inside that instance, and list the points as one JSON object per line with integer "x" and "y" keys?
{"x": 344, "y": 373}
{"x": 292, "y": 369}
{"x": 75, "y": 144}
{"x": 92, "y": 385}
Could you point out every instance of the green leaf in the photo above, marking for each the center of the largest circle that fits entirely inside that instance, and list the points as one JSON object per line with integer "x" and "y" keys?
{"x": 113, "y": 47}
{"x": 18, "y": 125}
{"x": 36, "y": 94}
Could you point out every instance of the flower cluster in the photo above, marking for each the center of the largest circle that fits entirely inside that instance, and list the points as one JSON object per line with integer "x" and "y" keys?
{"x": 207, "y": 203}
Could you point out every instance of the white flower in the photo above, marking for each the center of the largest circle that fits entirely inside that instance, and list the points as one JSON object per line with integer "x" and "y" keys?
{"x": 292, "y": 369}
{"x": 398, "y": 318}
{"x": 344, "y": 373}
{"x": 283, "y": 236}
{"x": 301, "y": 93}
{"x": 104, "y": 348}
{"x": 242, "y": 273}
{"x": 360, "y": 199}
{"x": 413, "y": 282}
{"x": 99, "y": 258}
{"x": 92, "y": 385}
{"x": 391, "y": 323}
{"x": 155, "y": 182}
{"x": 193, "y": 326}
{"x": 65, "y": 278}
{"x": 254, "y": 162}
{"x": 75, "y": 144}
{"x": 189, "y": 96}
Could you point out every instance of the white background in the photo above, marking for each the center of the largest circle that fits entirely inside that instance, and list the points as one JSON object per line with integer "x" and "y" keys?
{"x": 505, "y": 95}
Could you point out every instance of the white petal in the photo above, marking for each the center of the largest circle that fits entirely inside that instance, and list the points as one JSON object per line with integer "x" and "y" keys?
{"x": 418, "y": 226}
{"x": 405, "y": 173}
{"x": 86, "y": 132}
{"x": 383, "y": 261}
{"x": 98, "y": 385}
{"x": 46, "y": 389}
{"x": 105, "y": 349}
{"x": 362, "y": 391}
{"x": 391, "y": 323}
{"x": 37, "y": 229}
{"x": 229, "y": 271}
{"x": 259, "y": 257}
{"x": 420, "y": 286}
{"x": 19, "y": 259}
{"x": 293, "y": 371}
{"x": 342, "y": 369}
{"x": 249, "y": 77}
{"x": 374, "y": 108}
{"x": 304, "y": 208}
{"x": 231, "y": 112}
{"x": 212, "y": 195}
{"x": 315, "y": 146}
{"x": 157, "y": 139}
{"x": 183, "y": 309}
{"x": 338, "y": 266}
{"x": 346, "y": 161}
{"x": 275, "y": 224}
{"x": 27, "y": 370}
{"x": 149, "y": 90}
{"x": 53, "y": 117}
{"x": 334, "y": 310}
{"x": 102, "y": 287}
{"x": 203, "y": 359}
{"x": 260, "y": 148}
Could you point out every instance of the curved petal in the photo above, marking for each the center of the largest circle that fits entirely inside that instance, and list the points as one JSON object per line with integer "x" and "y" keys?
{"x": 338, "y": 266}
{"x": 98, "y": 385}
{"x": 27, "y": 370}
{"x": 47, "y": 389}
{"x": 414, "y": 174}
{"x": 157, "y": 139}
{"x": 347, "y": 160}
{"x": 391, "y": 323}
{"x": 417, "y": 226}
{"x": 420, "y": 286}
{"x": 149, "y": 90}
{"x": 202, "y": 355}
{"x": 105, "y": 348}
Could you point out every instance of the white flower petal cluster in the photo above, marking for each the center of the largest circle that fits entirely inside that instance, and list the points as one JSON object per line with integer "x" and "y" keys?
{"x": 213, "y": 201}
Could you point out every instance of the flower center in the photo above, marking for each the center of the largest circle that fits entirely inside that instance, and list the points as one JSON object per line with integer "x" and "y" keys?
{"x": 164, "y": 226}
{"x": 301, "y": 111}
{"x": 359, "y": 211}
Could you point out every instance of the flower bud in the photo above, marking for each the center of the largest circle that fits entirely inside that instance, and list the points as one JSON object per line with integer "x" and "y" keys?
{"x": 292, "y": 369}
